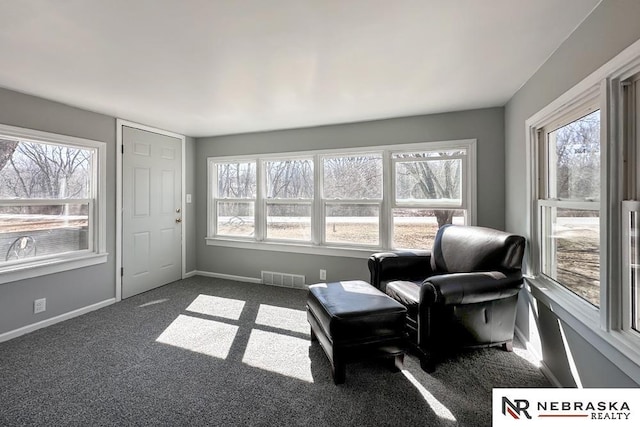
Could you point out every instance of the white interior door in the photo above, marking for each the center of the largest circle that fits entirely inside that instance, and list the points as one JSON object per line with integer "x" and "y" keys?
{"x": 151, "y": 210}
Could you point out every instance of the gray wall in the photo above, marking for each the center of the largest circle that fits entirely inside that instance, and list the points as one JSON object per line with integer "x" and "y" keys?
{"x": 612, "y": 27}
{"x": 485, "y": 125}
{"x": 76, "y": 289}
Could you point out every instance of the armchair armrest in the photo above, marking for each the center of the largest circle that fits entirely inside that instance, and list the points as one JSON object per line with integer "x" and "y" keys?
{"x": 399, "y": 265}
{"x": 469, "y": 288}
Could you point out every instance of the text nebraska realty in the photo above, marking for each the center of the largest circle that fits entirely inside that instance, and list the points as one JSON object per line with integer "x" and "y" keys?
{"x": 599, "y": 410}
{"x": 595, "y": 410}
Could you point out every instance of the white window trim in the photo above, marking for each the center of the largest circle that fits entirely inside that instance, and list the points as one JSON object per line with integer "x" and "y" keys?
{"x": 599, "y": 327}
{"x": 316, "y": 246}
{"x": 71, "y": 260}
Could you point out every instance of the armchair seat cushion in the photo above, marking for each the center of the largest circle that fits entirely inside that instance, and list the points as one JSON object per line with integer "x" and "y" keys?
{"x": 470, "y": 288}
{"x": 407, "y": 293}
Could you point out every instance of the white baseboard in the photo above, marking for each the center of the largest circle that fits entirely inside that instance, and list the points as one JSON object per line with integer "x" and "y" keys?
{"x": 543, "y": 366}
{"x": 53, "y": 320}
{"x": 549, "y": 375}
{"x": 531, "y": 349}
{"x": 190, "y": 274}
{"x": 225, "y": 276}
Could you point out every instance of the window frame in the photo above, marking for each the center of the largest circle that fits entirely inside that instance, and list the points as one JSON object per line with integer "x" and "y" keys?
{"x": 212, "y": 212}
{"x": 318, "y": 245}
{"x": 426, "y": 203}
{"x": 96, "y": 252}
{"x": 325, "y": 201}
{"x": 605, "y": 327}
{"x": 265, "y": 201}
{"x": 545, "y": 200}
{"x": 553, "y": 117}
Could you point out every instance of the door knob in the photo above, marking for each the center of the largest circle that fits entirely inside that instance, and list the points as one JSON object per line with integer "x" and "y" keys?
{"x": 178, "y": 220}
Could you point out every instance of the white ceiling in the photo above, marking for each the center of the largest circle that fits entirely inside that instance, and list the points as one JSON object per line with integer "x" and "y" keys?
{"x": 212, "y": 67}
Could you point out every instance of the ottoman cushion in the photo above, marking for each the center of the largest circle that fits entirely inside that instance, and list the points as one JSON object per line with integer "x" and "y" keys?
{"x": 355, "y": 311}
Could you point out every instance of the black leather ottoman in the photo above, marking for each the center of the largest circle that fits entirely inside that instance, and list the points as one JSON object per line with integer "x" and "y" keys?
{"x": 353, "y": 320}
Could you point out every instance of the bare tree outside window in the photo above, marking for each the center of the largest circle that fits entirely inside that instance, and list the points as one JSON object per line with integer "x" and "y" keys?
{"x": 434, "y": 176}
{"x": 577, "y": 159}
{"x": 237, "y": 180}
{"x": 353, "y": 177}
{"x": 42, "y": 171}
{"x": 237, "y": 191}
{"x": 7, "y": 147}
{"x": 289, "y": 195}
{"x": 46, "y": 190}
{"x": 289, "y": 179}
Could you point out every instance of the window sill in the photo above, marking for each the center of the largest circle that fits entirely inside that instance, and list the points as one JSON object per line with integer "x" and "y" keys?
{"x": 621, "y": 348}
{"x": 43, "y": 267}
{"x": 293, "y": 247}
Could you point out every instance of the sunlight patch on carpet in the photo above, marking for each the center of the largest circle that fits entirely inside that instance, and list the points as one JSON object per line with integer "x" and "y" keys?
{"x": 200, "y": 335}
{"x": 283, "y": 318}
{"x": 279, "y": 353}
{"x": 158, "y": 301}
{"x": 217, "y": 306}
{"x": 527, "y": 355}
{"x": 438, "y": 408}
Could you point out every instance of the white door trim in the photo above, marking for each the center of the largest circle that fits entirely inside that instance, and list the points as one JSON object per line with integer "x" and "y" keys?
{"x": 119, "y": 124}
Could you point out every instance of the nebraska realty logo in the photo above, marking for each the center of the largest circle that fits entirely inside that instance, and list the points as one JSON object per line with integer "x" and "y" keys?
{"x": 566, "y": 407}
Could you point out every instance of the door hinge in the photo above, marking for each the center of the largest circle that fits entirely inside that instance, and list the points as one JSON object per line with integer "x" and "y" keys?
{"x": 121, "y": 271}
{"x": 122, "y": 146}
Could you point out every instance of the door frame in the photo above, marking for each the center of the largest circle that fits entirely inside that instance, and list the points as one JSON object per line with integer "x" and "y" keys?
{"x": 120, "y": 123}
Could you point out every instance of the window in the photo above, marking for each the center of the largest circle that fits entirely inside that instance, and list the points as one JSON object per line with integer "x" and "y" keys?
{"x": 235, "y": 199}
{"x": 585, "y": 207}
{"x": 570, "y": 203}
{"x": 428, "y": 193}
{"x": 370, "y": 199}
{"x": 352, "y": 199}
{"x": 289, "y": 198}
{"x": 50, "y": 210}
{"x": 631, "y": 204}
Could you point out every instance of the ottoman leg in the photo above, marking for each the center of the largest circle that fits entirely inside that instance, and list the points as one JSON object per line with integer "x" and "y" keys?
{"x": 338, "y": 372}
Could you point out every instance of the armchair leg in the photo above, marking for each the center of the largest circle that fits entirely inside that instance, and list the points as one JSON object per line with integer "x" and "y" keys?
{"x": 508, "y": 346}
{"x": 427, "y": 364}
{"x": 397, "y": 363}
{"x": 427, "y": 359}
{"x": 313, "y": 335}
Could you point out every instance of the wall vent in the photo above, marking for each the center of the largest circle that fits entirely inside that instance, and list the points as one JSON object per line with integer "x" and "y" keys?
{"x": 286, "y": 280}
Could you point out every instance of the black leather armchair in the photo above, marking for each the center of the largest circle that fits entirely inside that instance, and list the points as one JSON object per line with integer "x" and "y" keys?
{"x": 462, "y": 293}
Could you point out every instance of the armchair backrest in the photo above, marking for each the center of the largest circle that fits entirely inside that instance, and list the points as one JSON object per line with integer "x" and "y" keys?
{"x": 463, "y": 249}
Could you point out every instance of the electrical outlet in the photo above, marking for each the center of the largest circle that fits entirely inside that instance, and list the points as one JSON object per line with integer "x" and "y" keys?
{"x": 323, "y": 274}
{"x": 40, "y": 305}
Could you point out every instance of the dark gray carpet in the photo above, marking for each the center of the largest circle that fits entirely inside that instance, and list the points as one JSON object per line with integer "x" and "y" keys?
{"x": 215, "y": 352}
